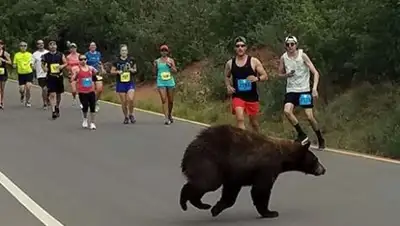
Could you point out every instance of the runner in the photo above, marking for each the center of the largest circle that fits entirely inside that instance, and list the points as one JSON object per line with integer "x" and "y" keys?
{"x": 40, "y": 74}
{"x": 53, "y": 63}
{"x": 83, "y": 75}
{"x": 125, "y": 68}
{"x": 163, "y": 67}
{"x": 94, "y": 60}
{"x": 4, "y": 60}
{"x": 295, "y": 65}
{"x": 24, "y": 63}
{"x": 245, "y": 71}
{"x": 72, "y": 60}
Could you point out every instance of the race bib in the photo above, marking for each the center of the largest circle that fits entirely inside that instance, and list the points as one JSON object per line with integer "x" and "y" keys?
{"x": 99, "y": 78}
{"x": 2, "y": 71}
{"x": 54, "y": 68}
{"x": 244, "y": 85}
{"x": 305, "y": 99}
{"x": 125, "y": 77}
{"x": 87, "y": 82}
{"x": 165, "y": 75}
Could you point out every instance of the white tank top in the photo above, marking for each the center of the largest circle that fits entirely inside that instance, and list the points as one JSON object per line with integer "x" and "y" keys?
{"x": 300, "y": 82}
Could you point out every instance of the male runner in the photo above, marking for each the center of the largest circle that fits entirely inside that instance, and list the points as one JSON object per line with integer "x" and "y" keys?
{"x": 295, "y": 66}
{"x": 53, "y": 63}
{"x": 24, "y": 63}
{"x": 163, "y": 67}
{"x": 4, "y": 60}
{"x": 125, "y": 69}
{"x": 94, "y": 60}
{"x": 40, "y": 74}
{"x": 245, "y": 71}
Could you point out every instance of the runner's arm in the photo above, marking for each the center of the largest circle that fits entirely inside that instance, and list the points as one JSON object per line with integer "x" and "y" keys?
{"x": 8, "y": 58}
{"x": 114, "y": 70}
{"x": 173, "y": 66}
{"x": 44, "y": 64}
{"x": 154, "y": 68}
{"x": 312, "y": 68}
{"x": 15, "y": 60}
{"x": 281, "y": 70}
{"x": 64, "y": 61}
{"x": 259, "y": 68}
{"x": 227, "y": 73}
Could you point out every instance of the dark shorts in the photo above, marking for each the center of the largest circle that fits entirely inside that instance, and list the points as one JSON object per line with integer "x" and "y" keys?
{"x": 55, "y": 84}
{"x": 303, "y": 99}
{"x": 88, "y": 101}
{"x": 121, "y": 87}
{"x": 25, "y": 78}
{"x": 42, "y": 82}
{"x": 3, "y": 78}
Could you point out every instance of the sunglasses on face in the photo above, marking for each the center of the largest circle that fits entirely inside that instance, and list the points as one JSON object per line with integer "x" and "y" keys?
{"x": 22, "y": 45}
{"x": 290, "y": 44}
{"x": 82, "y": 59}
{"x": 240, "y": 46}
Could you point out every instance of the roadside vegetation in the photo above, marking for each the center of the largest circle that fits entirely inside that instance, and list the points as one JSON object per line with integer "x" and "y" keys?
{"x": 354, "y": 44}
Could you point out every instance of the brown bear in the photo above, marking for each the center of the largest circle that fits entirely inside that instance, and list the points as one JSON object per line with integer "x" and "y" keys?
{"x": 231, "y": 157}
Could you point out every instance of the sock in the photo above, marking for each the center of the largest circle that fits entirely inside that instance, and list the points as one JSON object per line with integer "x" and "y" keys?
{"x": 299, "y": 130}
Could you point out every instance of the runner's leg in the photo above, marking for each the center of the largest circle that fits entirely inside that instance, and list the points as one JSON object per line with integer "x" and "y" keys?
{"x": 92, "y": 107}
{"x": 22, "y": 82}
{"x": 288, "y": 110}
{"x": 123, "y": 99}
{"x": 252, "y": 109}
{"x": 162, "y": 91}
{"x": 314, "y": 124}
{"x": 28, "y": 89}
{"x": 99, "y": 91}
{"x": 238, "y": 110}
{"x": 131, "y": 104}
{"x": 2, "y": 87}
{"x": 83, "y": 98}
{"x": 170, "y": 98}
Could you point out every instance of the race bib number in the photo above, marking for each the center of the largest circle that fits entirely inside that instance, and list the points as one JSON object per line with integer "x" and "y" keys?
{"x": 305, "y": 99}
{"x": 55, "y": 68}
{"x": 244, "y": 85}
{"x": 2, "y": 71}
{"x": 125, "y": 77}
{"x": 165, "y": 75}
{"x": 87, "y": 82}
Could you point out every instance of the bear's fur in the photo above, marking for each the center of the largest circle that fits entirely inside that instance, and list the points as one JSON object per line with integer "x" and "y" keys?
{"x": 231, "y": 157}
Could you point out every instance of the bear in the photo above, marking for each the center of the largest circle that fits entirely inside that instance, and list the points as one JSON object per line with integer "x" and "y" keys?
{"x": 231, "y": 157}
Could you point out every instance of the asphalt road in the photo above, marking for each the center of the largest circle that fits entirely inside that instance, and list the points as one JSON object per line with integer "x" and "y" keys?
{"x": 129, "y": 175}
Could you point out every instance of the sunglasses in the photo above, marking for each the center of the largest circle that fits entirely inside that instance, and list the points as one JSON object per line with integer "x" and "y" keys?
{"x": 242, "y": 46}
{"x": 290, "y": 44}
{"x": 22, "y": 45}
{"x": 82, "y": 59}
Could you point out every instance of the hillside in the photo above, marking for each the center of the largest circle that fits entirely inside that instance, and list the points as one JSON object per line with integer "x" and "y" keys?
{"x": 354, "y": 44}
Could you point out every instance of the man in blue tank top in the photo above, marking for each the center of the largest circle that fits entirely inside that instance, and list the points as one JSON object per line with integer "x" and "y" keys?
{"x": 163, "y": 68}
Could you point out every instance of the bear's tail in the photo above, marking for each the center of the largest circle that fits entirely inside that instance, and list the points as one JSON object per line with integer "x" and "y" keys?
{"x": 194, "y": 195}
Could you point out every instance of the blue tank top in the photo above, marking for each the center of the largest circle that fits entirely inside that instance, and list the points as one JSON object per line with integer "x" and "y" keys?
{"x": 163, "y": 71}
{"x": 93, "y": 59}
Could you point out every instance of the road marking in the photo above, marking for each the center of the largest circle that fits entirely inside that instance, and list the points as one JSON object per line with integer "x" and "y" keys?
{"x": 29, "y": 204}
{"x": 337, "y": 151}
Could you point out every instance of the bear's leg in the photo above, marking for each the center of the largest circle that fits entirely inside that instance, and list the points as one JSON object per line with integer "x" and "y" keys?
{"x": 260, "y": 194}
{"x": 228, "y": 198}
{"x": 193, "y": 194}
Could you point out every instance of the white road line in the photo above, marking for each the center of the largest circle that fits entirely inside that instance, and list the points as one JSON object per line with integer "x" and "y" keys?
{"x": 29, "y": 204}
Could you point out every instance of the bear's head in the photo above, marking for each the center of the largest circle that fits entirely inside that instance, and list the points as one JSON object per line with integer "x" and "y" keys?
{"x": 304, "y": 160}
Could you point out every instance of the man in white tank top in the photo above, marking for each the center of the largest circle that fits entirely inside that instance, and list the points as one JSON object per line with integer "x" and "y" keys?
{"x": 295, "y": 66}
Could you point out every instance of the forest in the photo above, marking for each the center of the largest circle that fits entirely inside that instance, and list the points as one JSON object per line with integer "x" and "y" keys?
{"x": 355, "y": 45}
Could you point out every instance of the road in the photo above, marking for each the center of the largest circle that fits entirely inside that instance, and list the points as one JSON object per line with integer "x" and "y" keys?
{"x": 129, "y": 175}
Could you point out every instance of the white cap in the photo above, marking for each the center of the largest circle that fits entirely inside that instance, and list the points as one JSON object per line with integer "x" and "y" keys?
{"x": 291, "y": 39}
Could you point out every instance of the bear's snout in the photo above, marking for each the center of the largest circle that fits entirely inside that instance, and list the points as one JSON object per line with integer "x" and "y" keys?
{"x": 320, "y": 170}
